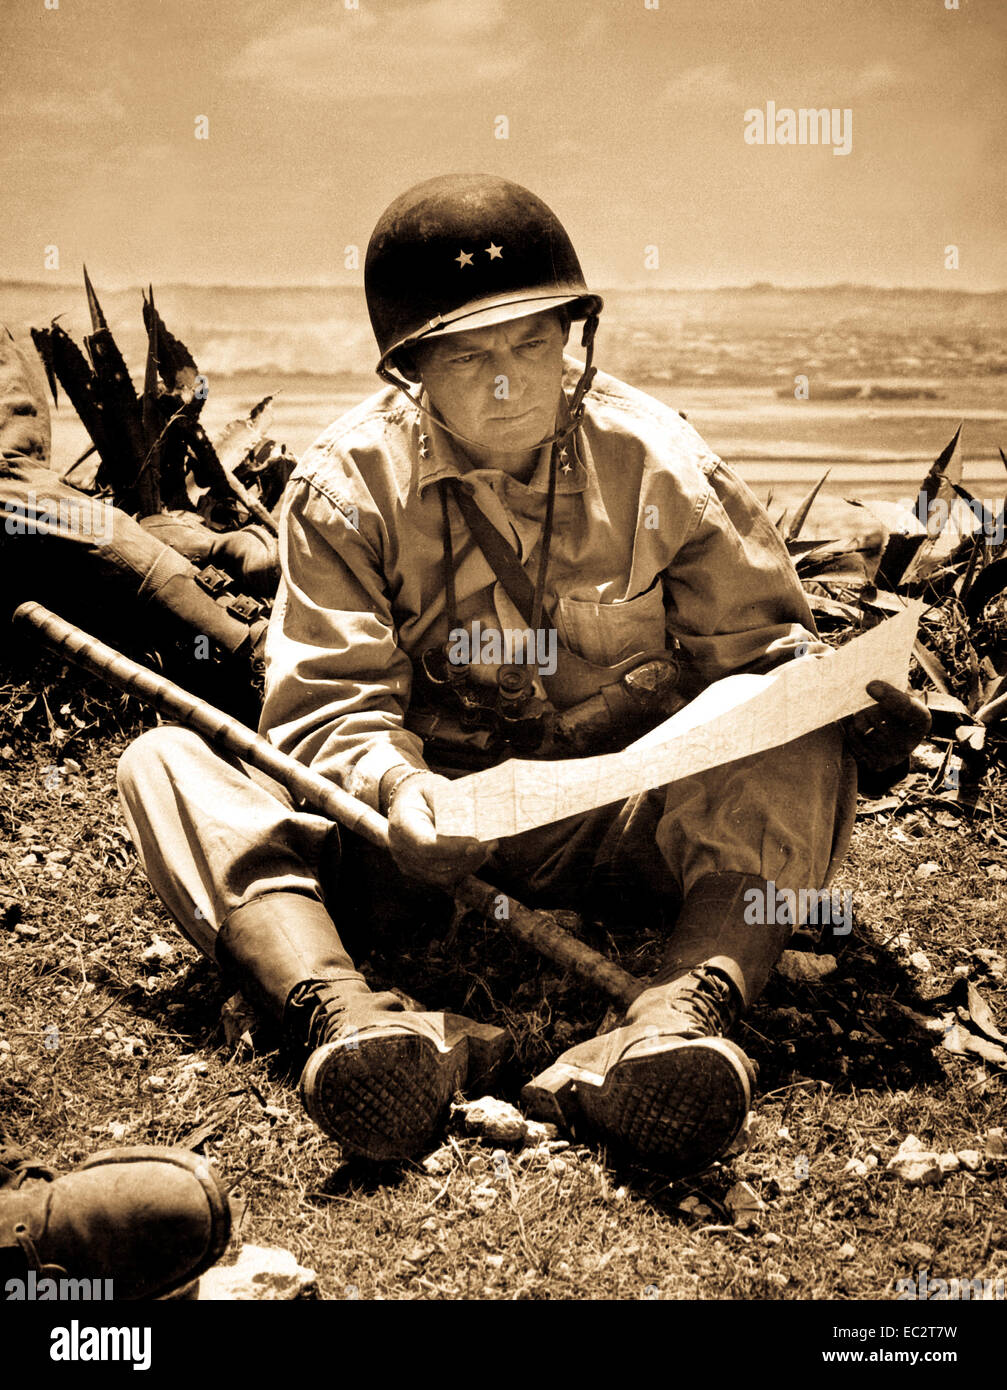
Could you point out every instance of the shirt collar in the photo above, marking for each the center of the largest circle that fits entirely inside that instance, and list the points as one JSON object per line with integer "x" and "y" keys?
{"x": 436, "y": 457}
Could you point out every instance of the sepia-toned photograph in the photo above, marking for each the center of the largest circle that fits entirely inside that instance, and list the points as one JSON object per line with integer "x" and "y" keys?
{"x": 503, "y": 691}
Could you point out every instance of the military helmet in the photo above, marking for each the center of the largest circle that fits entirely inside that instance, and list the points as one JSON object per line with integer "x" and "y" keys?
{"x": 466, "y": 251}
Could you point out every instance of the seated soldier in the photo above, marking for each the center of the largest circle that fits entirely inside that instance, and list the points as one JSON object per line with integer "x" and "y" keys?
{"x": 623, "y": 534}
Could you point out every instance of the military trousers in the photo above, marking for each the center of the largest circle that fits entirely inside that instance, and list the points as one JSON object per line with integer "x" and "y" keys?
{"x": 213, "y": 834}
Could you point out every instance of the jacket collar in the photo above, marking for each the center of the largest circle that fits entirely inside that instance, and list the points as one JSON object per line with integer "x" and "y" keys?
{"x": 437, "y": 457}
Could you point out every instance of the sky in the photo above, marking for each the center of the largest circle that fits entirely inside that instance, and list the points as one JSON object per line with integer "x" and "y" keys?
{"x": 628, "y": 120}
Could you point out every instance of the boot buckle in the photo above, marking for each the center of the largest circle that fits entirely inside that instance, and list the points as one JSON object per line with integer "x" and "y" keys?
{"x": 30, "y": 1251}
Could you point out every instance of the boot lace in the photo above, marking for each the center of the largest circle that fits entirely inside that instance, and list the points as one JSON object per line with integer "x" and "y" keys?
{"x": 708, "y": 997}
{"x": 332, "y": 1008}
{"x": 326, "y": 1018}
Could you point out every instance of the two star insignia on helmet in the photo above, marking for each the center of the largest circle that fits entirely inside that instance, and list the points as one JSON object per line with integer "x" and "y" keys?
{"x": 465, "y": 258}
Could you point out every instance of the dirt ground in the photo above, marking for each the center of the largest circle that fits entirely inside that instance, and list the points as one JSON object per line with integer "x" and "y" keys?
{"x": 111, "y": 1033}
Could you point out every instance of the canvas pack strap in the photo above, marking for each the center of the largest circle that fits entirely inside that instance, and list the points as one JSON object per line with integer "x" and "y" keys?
{"x": 501, "y": 557}
{"x": 574, "y": 679}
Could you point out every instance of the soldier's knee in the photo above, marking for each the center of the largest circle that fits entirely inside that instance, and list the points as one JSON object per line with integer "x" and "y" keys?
{"x": 152, "y": 757}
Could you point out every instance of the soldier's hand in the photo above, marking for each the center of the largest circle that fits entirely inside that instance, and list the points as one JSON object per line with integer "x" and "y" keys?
{"x": 887, "y": 733}
{"x": 251, "y": 555}
{"x": 415, "y": 845}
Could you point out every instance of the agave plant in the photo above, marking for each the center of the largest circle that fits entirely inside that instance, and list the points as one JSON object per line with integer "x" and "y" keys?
{"x": 961, "y": 654}
{"x": 153, "y": 451}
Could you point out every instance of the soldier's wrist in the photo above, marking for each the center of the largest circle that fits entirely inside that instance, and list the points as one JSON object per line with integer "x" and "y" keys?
{"x": 392, "y": 781}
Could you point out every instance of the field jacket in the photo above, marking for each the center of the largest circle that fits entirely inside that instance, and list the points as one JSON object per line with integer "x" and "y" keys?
{"x": 656, "y": 542}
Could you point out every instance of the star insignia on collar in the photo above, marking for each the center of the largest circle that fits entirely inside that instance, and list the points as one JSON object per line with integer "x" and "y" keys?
{"x": 464, "y": 259}
{"x": 495, "y": 252}
{"x": 424, "y": 441}
{"x": 563, "y": 460}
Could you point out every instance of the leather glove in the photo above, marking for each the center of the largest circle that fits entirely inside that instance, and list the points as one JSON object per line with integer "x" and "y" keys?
{"x": 888, "y": 732}
{"x": 250, "y": 556}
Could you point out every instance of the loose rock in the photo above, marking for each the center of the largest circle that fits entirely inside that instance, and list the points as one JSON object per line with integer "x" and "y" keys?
{"x": 744, "y": 1204}
{"x": 914, "y": 1164}
{"x": 860, "y": 1167}
{"x": 801, "y": 967}
{"x": 693, "y": 1206}
{"x": 537, "y": 1132}
{"x": 159, "y": 951}
{"x": 439, "y": 1162}
{"x": 492, "y": 1119}
{"x": 260, "y": 1273}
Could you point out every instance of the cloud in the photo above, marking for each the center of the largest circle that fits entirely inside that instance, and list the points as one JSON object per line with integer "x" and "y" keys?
{"x": 708, "y": 85}
{"x": 413, "y": 50}
{"x": 449, "y": 19}
{"x": 592, "y": 29}
{"x": 80, "y": 108}
{"x": 879, "y": 77}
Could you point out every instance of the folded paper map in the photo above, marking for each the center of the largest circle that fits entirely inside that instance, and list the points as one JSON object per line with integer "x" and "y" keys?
{"x": 731, "y": 719}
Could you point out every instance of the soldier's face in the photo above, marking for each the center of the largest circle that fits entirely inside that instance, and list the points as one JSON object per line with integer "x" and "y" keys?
{"x": 498, "y": 386}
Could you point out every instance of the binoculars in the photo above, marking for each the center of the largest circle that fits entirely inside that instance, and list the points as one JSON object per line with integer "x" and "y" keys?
{"x": 512, "y": 717}
{"x": 512, "y": 712}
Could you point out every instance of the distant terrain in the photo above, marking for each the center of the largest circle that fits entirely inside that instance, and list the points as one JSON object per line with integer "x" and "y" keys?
{"x": 782, "y": 383}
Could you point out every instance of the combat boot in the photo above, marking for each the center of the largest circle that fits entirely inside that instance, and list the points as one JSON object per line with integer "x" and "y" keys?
{"x": 378, "y": 1078}
{"x": 142, "y": 1222}
{"x": 666, "y": 1087}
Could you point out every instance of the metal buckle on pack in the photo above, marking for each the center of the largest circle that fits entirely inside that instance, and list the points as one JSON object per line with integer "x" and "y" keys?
{"x": 214, "y": 581}
{"x": 248, "y": 609}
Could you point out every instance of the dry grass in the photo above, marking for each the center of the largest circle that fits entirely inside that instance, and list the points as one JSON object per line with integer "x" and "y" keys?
{"x": 105, "y": 1047}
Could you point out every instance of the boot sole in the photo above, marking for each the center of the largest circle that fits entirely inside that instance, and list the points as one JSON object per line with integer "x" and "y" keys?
{"x": 381, "y": 1097}
{"x": 676, "y": 1109}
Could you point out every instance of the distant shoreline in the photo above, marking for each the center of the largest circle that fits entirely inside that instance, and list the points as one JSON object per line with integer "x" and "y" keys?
{"x": 71, "y": 280}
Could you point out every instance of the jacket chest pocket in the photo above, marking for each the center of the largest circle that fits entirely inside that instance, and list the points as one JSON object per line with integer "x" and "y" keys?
{"x": 607, "y": 633}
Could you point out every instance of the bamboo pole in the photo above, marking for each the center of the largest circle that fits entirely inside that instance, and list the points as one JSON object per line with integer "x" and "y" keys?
{"x": 537, "y": 930}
